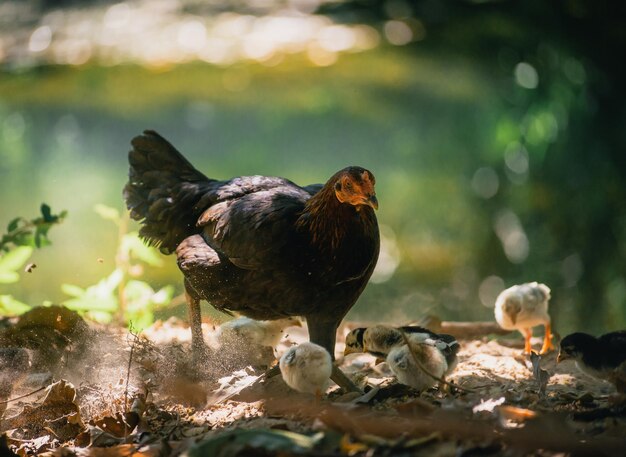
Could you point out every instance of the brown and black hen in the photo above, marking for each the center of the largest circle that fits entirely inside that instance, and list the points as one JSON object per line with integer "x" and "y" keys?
{"x": 261, "y": 246}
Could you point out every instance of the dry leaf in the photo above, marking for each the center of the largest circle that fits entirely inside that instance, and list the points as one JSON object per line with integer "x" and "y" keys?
{"x": 488, "y": 405}
{"x": 58, "y": 411}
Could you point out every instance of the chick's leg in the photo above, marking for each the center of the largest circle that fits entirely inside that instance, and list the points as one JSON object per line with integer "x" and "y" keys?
{"x": 527, "y": 335}
{"x": 547, "y": 339}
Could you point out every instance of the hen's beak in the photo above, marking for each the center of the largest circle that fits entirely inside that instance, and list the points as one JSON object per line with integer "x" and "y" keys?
{"x": 372, "y": 201}
{"x": 349, "y": 350}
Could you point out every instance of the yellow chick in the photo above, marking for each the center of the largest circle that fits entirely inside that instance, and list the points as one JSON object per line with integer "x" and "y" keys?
{"x": 251, "y": 332}
{"x": 403, "y": 364}
{"x": 523, "y": 307}
{"x": 306, "y": 368}
{"x": 252, "y": 342}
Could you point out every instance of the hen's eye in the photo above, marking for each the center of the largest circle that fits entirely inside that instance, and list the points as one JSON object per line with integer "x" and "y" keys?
{"x": 348, "y": 185}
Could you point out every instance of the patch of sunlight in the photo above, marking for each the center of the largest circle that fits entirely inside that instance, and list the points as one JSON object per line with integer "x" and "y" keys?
{"x": 389, "y": 257}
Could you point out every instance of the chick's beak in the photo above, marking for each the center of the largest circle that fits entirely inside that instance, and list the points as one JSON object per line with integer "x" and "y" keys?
{"x": 562, "y": 356}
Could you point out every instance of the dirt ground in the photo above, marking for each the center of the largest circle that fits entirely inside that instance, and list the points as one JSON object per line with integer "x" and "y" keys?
{"x": 109, "y": 392}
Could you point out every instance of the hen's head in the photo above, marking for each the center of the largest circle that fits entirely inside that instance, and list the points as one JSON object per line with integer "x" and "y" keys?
{"x": 355, "y": 186}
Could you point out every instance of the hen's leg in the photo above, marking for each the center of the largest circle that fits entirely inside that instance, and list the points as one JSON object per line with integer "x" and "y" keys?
{"x": 324, "y": 333}
{"x": 198, "y": 347}
{"x": 527, "y": 335}
{"x": 547, "y": 339}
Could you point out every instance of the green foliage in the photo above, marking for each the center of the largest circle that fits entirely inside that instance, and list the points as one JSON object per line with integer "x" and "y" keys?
{"x": 10, "y": 306}
{"x": 13, "y": 261}
{"x": 34, "y": 232}
{"x": 119, "y": 295}
{"x": 16, "y": 247}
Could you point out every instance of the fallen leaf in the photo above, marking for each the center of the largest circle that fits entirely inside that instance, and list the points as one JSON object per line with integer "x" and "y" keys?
{"x": 58, "y": 411}
{"x": 488, "y": 405}
{"x": 229, "y": 386}
{"x": 237, "y": 441}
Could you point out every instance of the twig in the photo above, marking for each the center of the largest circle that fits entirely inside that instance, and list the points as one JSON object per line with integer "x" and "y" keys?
{"x": 421, "y": 366}
{"x": 130, "y": 362}
{"x": 23, "y": 396}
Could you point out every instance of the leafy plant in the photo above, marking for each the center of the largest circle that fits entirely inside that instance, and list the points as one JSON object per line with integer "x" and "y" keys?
{"x": 17, "y": 246}
{"x": 33, "y": 233}
{"x": 121, "y": 295}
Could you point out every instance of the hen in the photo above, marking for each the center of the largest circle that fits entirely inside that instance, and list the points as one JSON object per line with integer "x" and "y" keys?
{"x": 261, "y": 246}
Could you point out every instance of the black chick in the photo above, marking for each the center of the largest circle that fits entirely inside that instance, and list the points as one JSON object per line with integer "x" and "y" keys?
{"x": 262, "y": 246}
{"x": 603, "y": 357}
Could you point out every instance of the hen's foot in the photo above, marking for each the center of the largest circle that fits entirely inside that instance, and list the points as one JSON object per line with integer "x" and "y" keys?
{"x": 343, "y": 381}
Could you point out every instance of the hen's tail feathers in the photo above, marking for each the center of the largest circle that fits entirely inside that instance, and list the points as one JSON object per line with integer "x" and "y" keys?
{"x": 162, "y": 191}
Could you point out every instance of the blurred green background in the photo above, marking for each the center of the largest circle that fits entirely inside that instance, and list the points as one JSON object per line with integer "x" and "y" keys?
{"x": 496, "y": 131}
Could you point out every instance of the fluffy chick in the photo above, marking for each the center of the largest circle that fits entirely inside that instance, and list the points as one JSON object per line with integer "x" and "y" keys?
{"x": 522, "y": 307}
{"x": 306, "y": 368}
{"x": 250, "y": 331}
{"x": 379, "y": 340}
{"x": 251, "y": 341}
{"x": 403, "y": 364}
{"x": 603, "y": 357}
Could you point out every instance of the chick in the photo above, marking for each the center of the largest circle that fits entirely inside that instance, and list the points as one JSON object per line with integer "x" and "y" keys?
{"x": 253, "y": 341}
{"x": 603, "y": 357}
{"x": 262, "y": 333}
{"x": 522, "y": 307}
{"x": 402, "y": 362}
{"x": 379, "y": 340}
{"x": 306, "y": 368}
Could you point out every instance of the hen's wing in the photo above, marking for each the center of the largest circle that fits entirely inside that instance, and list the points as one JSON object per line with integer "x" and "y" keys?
{"x": 252, "y": 221}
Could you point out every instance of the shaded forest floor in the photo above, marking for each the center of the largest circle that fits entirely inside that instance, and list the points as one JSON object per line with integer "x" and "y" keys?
{"x": 111, "y": 392}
